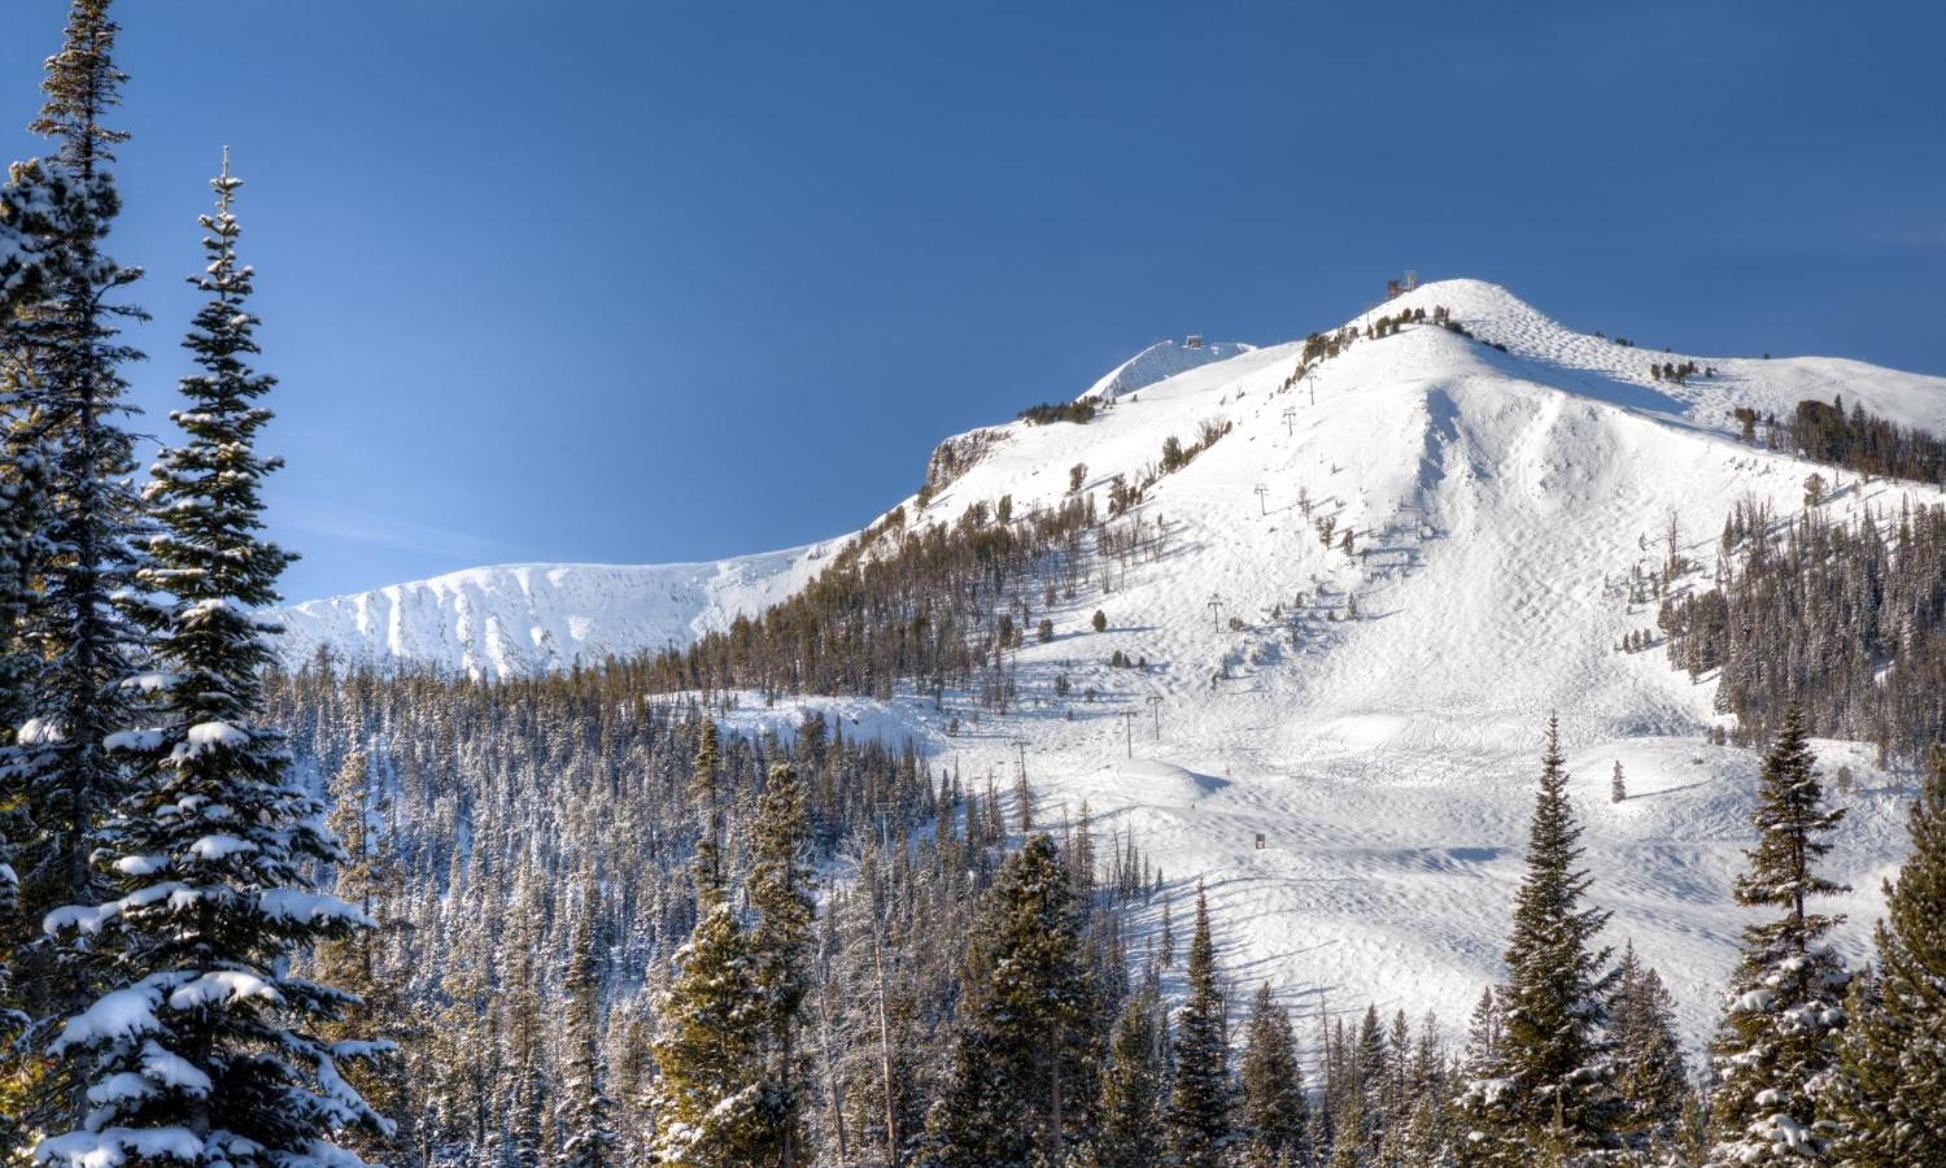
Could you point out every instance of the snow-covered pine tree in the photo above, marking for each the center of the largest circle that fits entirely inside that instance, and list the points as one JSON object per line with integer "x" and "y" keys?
{"x": 207, "y": 1051}
{"x": 1617, "y": 784}
{"x": 20, "y": 267}
{"x": 64, "y": 401}
{"x": 1426, "y": 1137}
{"x": 780, "y": 891}
{"x": 1550, "y": 1079}
{"x": 22, "y": 547}
{"x": 630, "y": 1075}
{"x": 1691, "y": 1143}
{"x": 364, "y": 963}
{"x": 521, "y": 1111}
{"x": 1348, "y": 1146}
{"x": 1396, "y": 1096}
{"x": 586, "y": 1119}
{"x": 1650, "y": 1074}
{"x": 1019, "y": 1087}
{"x": 1275, "y": 1116}
{"x": 1483, "y": 1033}
{"x": 1132, "y": 1086}
{"x": 1370, "y": 1070}
{"x": 1892, "y": 1097}
{"x": 1776, "y": 1049}
{"x": 707, "y": 1101}
{"x": 709, "y": 875}
{"x": 460, "y": 1053}
{"x": 1199, "y": 1101}
{"x": 699, "y": 1070}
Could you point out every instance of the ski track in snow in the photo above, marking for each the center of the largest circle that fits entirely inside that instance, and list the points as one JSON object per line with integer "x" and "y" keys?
{"x": 1497, "y": 500}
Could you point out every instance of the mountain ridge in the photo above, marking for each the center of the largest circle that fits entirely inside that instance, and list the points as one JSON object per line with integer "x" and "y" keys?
{"x": 428, "y": 622}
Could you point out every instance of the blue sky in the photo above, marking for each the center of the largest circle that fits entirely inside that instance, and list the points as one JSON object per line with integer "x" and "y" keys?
{"x": 620, "y": 281}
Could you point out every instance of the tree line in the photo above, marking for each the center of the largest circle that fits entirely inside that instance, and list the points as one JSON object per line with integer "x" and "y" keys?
{"x": 1845, "y": 620}
{"x": 1856, "y": 440}
{"x": 755, "y": 961}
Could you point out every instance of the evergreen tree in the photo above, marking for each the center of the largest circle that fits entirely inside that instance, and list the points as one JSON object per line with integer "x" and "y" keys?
{"x": 1167, "y": 953}
{"x": 708, "y": 1102}
{"x": 1550, "y": 1077}
{"x": 1617, "y": 785}
{"x": 1199, "y": 1103}
{"x": 520, "y": 1112}
{"x": 61, "y": 362}
{"x": 586, "y": 1123}
{"x": 1776, "y": 1049}
{"x": 1396, "y": 1097}
{"x": 1692, "y": 1139}
{"x": 1132, "y": 1086}
{"x": 1483, "y": 1035}
{"x": 1425, "y": 1139}
{"x": 21, "y": 210}
{"x": 1275, "y": 1115}
{"x": 630, "y": 1077}
{"x": 22, "y": 547}
{"x": 1370, "y": 1070}
{"x": 462, "y": 1051}
{"x": 208, "y": 1051}
{"x": 360, "y": 964}
{"x": 1023, "y": 1054}
{"x": 780, "y": 892}
{"x": 1348, "y": 1130}
{"x": 709, "y": 874}
{"x": 1650, "y": 1076}
{"x": 1893, "y": 1090}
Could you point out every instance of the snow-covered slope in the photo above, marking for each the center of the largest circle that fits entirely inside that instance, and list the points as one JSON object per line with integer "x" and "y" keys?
{"x": 526, "y": 618}
{"x": 1602, "y": 369}
{"x": 1498, "y": 500}
{"x": 1160, "y": 360}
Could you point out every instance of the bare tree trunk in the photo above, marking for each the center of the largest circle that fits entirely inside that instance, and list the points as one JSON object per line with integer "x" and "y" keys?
{"x": 1057, "y": 1121}
{"x": 885, "y": 1049}
{"x": 834, "y": 1091}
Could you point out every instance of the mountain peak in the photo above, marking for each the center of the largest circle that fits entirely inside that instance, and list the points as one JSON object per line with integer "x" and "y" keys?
{"x": 519, "y": 619}
{"x": 1162, "y": 360}
{"x": 1620, "y": 367}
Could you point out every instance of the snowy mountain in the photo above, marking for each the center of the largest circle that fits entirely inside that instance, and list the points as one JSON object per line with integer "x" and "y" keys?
{"x": 1162, "y": 360}
{"x": 518, "y": 619}
{"x": 1342, "y": 744}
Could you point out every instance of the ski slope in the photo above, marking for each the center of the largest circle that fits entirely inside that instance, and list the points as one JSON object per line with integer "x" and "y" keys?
{"x": 1498, "y": 502}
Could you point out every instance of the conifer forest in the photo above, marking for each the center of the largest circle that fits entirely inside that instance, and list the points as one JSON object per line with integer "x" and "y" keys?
{"x": 818, "y": 887}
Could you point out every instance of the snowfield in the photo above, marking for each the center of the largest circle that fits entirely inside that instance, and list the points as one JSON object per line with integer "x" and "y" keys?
{"x": 1161, "y": 360}
{"x": 1498, "y": 503}
{"x": 517, "y": 619}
